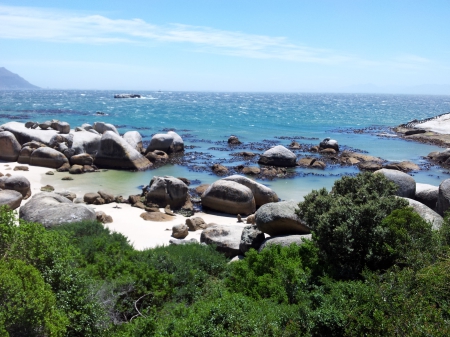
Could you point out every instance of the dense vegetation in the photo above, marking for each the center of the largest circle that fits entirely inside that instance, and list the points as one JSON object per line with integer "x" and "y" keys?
{"x": 373, "y": 268}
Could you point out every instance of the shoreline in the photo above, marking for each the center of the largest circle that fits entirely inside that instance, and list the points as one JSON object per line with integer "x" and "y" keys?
{"x": 141, "y": 234}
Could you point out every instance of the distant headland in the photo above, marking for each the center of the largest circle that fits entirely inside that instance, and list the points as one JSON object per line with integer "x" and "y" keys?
{"x": 11, "y": 81}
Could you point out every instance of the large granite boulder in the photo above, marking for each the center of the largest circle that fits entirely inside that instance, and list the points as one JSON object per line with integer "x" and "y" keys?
{"x": 262, "y": 194}
{"x": 61, "y": 127}
{"x": 229, "y": 197}
{"x": 25, "y": 135}
{"x": 101, "y": 128}
{"x": 226, "y": 238}
{"x": 426, "y": 213}
{"x": 9, "y": 146}
{"x": 16, "y": 183}
{"x": 406, "y": 184}
{"x": 169, "y": 143}
{"x": 116, "y": 152}
{"x": 134, "y": 138}
{"x": 280, "y": 219}
{"x": 167, "y": 190}
{"x": 427, "y": 194}
{"x": 48, "y": 157}
{"x": 86, "y": 142}
{"x": 251, "y": 237}
{"x": 443, "y": 203}
{"x": 10, "y": 198}
{"x": 278, "y": 156}
{"x": 51, "y": 209}
{"x": 285, "y": 240}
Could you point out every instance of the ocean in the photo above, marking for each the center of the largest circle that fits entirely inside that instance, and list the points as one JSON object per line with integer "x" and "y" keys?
{"x": 205, "y": 120}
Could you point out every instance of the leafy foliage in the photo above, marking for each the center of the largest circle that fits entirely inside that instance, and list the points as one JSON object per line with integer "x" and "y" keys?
{"x": 347, "y": 223}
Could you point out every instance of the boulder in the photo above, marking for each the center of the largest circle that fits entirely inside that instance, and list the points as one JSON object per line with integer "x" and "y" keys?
{"x": 443, "y": 202}
{"x": 167, "y": 190}
{"x": 45, "y": 125}
{"x": 16, "y": 183}
{"x": 25, "y": 155}
{"x": 21, "y": 168}
{"x": 85, "y": 142}
{"x": 426, "y": 213}
{"x": 251, "y": 170}
{"x": 156, "y": 216}
{"x": 101, "y": 128}
{"x": 10, "y": 147}
{"x": 404, "y": 166}
{"x": 76, "y": 169}
{"x": 157, "y": 156}
{"x": 67, "y": 194}
{"x": 10, "y": 198}
{"x": 328, "y": 143}
{"x": 51, "y": 209}
{"x": 61, "y": 127}
{"x": 182, "y": 241}
{"x": 306, "y": 162}
{"x": 195, "y": 224}
{"x": 201, "y": 188}
{"x": 87, "y": 127}
{"x": 328, "y": 151}
{"x": 229, "y": 197}
{"x": 278, "y": 156}
{"x": 169, "y": 143}
{"x": 180, "y": 231}
{"x": 24, "y": 135}
{"x": 108, "y": 197}
{"x": 360, "y": 156}
{"x": 134, "y": 138}
{"x": 103, "y": 217}
{"x": 233, "y": 140}
{"x": 319, "y": 165}
{"x": 406, "y": 184}
{"x": 226, "y": 238}
{"x": 251, "y": 237}
{"x": 427, "y": 194}
{"x": 91, "y": 198}
{"x": 280, "y": 219}
{"x": 47, "y": 188}
{"x": 47, "y": 157}
{"x": 81, "y": 159}
{"x": 440, "y": 157}
{"x": 369, "y": 166}
{"x": 115, "y": 152}
{"x": 219, "y": 169}
{"x": 285, "y": 240}
{"x": 251, "y": 219}
{"x": 261, "y": 193}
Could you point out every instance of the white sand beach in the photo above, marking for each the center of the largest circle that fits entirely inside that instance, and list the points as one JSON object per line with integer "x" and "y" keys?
{"x": 126, "y": 219}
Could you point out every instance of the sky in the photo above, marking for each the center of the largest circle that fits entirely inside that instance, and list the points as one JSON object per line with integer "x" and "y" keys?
{"x": 394, "y": 46}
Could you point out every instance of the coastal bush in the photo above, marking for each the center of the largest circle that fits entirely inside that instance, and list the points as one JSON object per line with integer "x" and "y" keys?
{"x": 347, "y": 223}
{"x": 278, "y": 273}
{"x": 28, "y": 305}
{"x": 56, "y": 260}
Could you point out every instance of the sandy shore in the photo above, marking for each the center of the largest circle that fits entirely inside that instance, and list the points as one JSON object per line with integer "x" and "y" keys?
{"x": 126, "y": 219}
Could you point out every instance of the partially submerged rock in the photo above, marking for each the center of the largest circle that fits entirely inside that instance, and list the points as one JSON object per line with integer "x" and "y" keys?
{"x": 278, "y": 156}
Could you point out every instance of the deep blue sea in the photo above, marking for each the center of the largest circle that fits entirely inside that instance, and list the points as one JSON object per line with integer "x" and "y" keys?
{"x": 205, "y": 120}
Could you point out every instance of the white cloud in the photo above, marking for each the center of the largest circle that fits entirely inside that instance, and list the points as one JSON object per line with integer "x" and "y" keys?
{"x": 75, "y": 27}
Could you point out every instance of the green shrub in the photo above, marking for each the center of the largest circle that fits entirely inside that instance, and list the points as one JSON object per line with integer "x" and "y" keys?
{"x": 347, "y": 223}
{"x": 277, "y": 273}
{"x": 28, "y": 305}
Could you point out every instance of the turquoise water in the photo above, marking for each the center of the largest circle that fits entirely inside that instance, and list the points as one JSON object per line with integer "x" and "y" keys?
{"x": 260, "y": 120}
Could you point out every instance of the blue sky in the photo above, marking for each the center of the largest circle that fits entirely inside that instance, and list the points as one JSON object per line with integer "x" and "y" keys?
{"x": 229, "y": 45}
